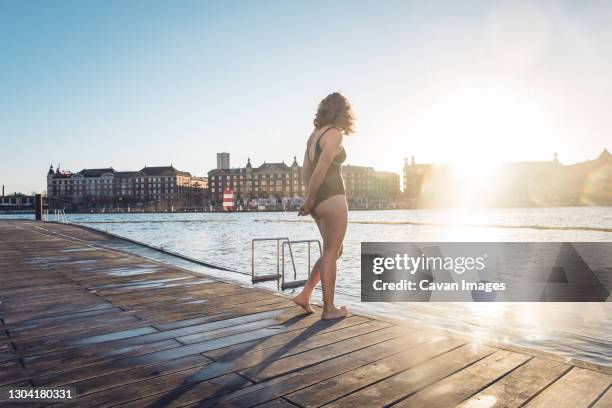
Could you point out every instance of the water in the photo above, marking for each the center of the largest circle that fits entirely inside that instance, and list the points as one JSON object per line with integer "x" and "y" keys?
{"x": 578, "y": 330}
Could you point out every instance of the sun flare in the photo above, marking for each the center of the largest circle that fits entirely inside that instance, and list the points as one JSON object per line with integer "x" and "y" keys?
{"x": 486, "y": 124}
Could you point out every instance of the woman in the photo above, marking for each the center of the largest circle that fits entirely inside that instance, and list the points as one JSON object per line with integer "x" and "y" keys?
{"x": 325, "y": 197}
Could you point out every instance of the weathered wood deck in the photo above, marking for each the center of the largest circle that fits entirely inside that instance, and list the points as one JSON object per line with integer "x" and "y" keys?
{"x": 128, "y": 331}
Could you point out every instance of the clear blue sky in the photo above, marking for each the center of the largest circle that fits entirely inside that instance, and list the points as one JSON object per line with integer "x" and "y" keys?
{"x": 129, "y": 83}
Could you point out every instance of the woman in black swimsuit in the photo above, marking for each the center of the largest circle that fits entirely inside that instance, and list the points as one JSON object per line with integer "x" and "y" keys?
{"x": 326, "y": 200}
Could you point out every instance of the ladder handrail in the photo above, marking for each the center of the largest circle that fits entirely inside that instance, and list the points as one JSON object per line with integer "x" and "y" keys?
{"x": 278, "y": 240}
{"x": 281, "y": 242}
{"x": 59, "y": 214}
{"x": 300, "y": 241}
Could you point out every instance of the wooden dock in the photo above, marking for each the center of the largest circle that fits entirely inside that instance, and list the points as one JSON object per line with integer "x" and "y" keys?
{"x": 125, "y": 330}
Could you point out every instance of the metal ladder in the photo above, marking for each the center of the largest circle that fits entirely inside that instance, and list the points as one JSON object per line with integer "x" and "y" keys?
{"x": 60, "y": 216}
{"x": 279, "y": 276}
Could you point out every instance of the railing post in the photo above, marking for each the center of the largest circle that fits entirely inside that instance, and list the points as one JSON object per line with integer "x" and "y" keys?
{"x": 278, "y": 240}
{"x": 38, "y": 207}
{"x": 281, "y": 282}
{"x": 308, "y": 258}
{"x": 277, "y": 258}
{"x": 292, "y": 260}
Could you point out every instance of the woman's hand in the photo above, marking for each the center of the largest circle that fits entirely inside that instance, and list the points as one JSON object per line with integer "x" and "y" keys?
{"x": 307, "y": 207}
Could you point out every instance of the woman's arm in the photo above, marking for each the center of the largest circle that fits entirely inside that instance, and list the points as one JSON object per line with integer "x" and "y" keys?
{"x": 330, "y": 147}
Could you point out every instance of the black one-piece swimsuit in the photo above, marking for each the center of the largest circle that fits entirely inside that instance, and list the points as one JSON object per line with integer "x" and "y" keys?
{"x": 333, "y": 184}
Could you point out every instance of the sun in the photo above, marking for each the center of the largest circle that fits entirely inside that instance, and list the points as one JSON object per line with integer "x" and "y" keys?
{"x": 485, "y": 123}
{"x": 474, "y": 184}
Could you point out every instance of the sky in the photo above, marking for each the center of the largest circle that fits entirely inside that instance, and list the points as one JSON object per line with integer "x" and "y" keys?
{"x": 130, "y": 83}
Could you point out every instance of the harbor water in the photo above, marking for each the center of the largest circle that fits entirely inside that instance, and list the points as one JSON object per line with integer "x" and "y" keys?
{"x": 577, "y": 330}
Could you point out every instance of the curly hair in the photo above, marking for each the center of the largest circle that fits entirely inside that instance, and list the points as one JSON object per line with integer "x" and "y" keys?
{"x": 335, "y": 110}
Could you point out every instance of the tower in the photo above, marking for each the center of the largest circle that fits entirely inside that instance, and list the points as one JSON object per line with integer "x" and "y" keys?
{"x": 50, "y": 175}
{"x": 223, "y": 160}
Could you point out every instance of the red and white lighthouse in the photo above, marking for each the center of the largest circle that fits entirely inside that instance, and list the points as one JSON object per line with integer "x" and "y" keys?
{"x": 228, "y": 200}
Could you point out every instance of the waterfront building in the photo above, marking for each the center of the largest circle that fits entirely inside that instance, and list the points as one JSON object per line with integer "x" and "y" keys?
{"x": 414, "y": 176}
{"x": 16, "y": 202}
{"x": 280, "y": 183}
{"x": 511, "y": 184}
{"x": 366, "y": 182}
{"x": 107, "y": 186}
{"x": 276, "y": 182}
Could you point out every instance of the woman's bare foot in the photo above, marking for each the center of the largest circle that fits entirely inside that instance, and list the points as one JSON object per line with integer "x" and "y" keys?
{"x": 335, "y": 313}
{"x": 304, "y": 302}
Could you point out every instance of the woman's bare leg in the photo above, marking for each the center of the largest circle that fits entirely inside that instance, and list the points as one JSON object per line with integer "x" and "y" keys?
{"x": 333, "y": 218}
{"x": 303, "y": 298}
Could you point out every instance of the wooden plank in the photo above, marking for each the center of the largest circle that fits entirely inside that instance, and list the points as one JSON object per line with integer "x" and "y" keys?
{"x": 137, "y": 374}
{"x": 519, "y": 386}
{"x": 459, "y": 386}
{"x": 209, "y": 291}
{"x": 10, "y": 320}
{"x": 104, "y": 350}
{"x": 139, "y": 333}
{"x": 40, "y": 299}
{"x": 59, "y": 319}
{"x": 202, "y": 336}
{"x": 242, "y": 359}
{"x": 74, "y": 326}
{"x": 336, "y": 387}
{"x": 8, "y": 355}
{"x": 396, "y": 387}
{"x": 306, "y": 333}
{"x": 278, "y": 403}
{"x": 5, "y": 346}
{"x": 240, "y": 297}
{"x": 605, "y": 401}
{"x": 190, "y": 283}
{"x": 211, "y": 372}
{"x": 275, "y": 368}
{"x": 177, "y": 320}
{"x": 40, "y": 290}
{"x": 98, "y": 335}
{"x": 10, "y": 371}
{"x": 67, "y": 377}
{"x": 166, "y": 391}
{"x": 84, "y": 356}
{"x": 150, "y": 294}
{"x": 578, "y": 388}
{"x": 197, "y": 394}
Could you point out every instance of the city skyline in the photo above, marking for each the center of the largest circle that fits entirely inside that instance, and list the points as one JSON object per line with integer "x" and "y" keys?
{"x": 134, "y": 83}
{"x": 425, "y": 185}
{"x": 473, "y": 167}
